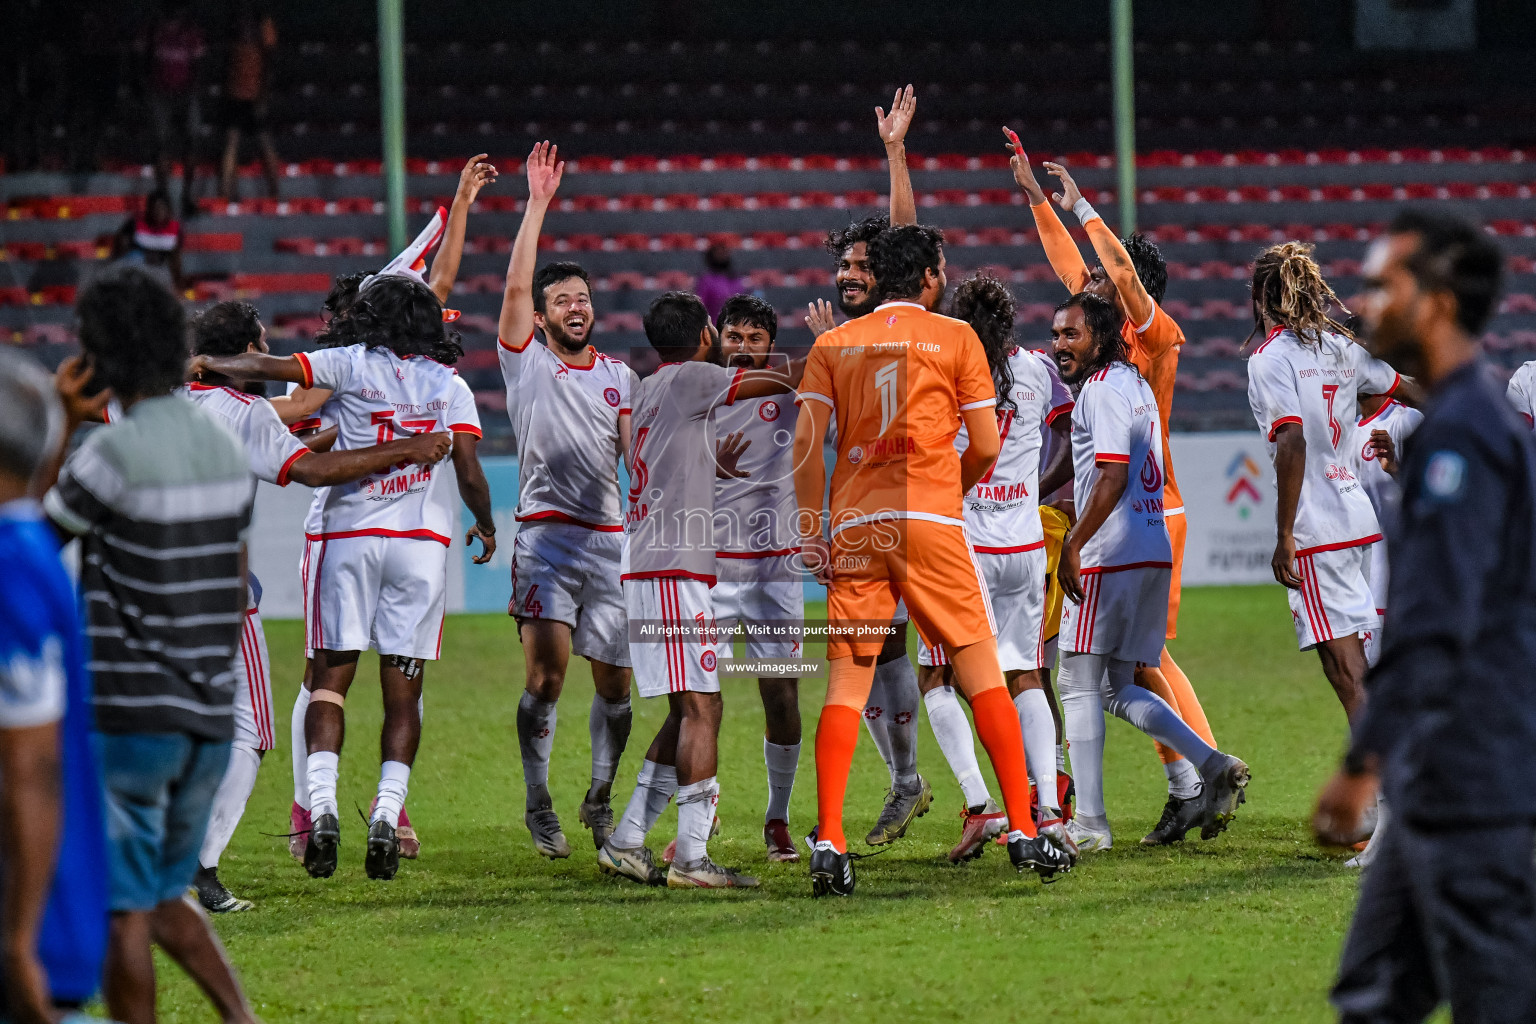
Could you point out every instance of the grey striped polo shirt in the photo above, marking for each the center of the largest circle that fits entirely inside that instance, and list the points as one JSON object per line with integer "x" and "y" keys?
{"x": 161, "y": 501}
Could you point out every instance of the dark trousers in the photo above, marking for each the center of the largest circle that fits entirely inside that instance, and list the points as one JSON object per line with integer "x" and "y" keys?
{"x": 1445, "y": 916}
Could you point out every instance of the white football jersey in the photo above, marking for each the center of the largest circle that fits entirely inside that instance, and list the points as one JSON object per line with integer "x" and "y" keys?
{"x": 755, "y": 515}
{"x": 1316, "y": 387}
{"x": 1399, "y": 421}
{"x": 1522, "y": 391}
{"x": 1115, "y": 420}
{"x": 1002, "y": 512}
{"x": 378, "y": 397}
{"x": 1048, "y": 439}
{"x": 271, "y": 449}
{"x": 566, "y": 421}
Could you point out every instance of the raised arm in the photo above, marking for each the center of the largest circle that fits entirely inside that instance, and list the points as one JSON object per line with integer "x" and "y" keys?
{"x": 252, "y": 366}
{"x": 893, "y": 132}
{"x": 544, "y": 174}
{"x": 1117, "y": 262}
{"x": 445, "y": 265}
{"x": 1060, "y": 250}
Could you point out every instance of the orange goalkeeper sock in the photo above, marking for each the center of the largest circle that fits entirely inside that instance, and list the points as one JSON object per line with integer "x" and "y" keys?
{"x": 837, "y": 733}
{"x": 1188, "y": 704}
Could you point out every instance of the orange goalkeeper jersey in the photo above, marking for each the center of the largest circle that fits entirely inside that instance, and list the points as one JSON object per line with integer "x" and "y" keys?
{"x": 897, "y": 380}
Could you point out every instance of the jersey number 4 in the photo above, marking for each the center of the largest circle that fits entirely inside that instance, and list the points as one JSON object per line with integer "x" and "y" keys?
{"x": 1335, "y": 431}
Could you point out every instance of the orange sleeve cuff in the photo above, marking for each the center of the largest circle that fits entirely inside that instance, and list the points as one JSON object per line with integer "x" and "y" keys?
{"x": 309, "y": 371}
{"x": 282, "y": 474}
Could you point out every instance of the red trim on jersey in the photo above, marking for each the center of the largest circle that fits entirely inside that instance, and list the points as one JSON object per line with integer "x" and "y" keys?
{"x": 761, "y": 554}
{"x": 1389, "y": 403}
{"x": 465, "y": 428}
{"x": 1101, "y": 374}
{"x": 625, "y": 410}
{"x": 282, "y": 474}
{"x": 377, "y": 532}
{"x": 309, "y": 371}
{"x": 573, "y": 366}
{"x": 1111, "y": 457}
{"x": 1099, "y": 570}
{"x": 1528, "y": 420}
{"x": 1340, "y": 546}
{"x": 1282, "y": 421}
{"x": 1060, "y": 410}
{"x": 518, "y": 349}
{"x": 669, "y": 574}
{"x": 1397, "y": 379}
{"x": 730, "y": 394}
{"x": 551, "y": 516}
{"x": 308, "y": 424}
{"x": 240, "y": 396}
{"x": 1036, "y": 546}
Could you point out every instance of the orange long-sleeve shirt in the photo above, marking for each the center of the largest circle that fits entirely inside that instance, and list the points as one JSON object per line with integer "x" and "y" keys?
{"x": 1151, "y": 335}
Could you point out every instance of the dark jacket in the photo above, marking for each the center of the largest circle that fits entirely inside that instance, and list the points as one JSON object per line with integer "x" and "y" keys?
{"x": 1451, "y": 706}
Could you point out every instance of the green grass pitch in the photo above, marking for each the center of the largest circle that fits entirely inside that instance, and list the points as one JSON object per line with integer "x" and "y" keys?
{"x": 482, "y": 929}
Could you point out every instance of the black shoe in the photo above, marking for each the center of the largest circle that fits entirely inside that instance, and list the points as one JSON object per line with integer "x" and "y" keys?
{"x": 1225, "y": 781}
{"x": 383, "y": 857}
{"x": 213, "y": 896}
{"x": 1041, "y": 855}
{"x": 320, "y": 854}
{"x": 1180, "y": 814}
{"x": 831, "y": 872}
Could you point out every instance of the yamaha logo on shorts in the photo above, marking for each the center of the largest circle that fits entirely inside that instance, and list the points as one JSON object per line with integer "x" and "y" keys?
{"x": 855, "y": 455}
{"x": 707, "y": 659}
{"x": 611, "y": 396}
{"x": 768, "y": 411}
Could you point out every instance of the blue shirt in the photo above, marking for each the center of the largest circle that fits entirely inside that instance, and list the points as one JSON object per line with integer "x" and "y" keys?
{"x": 43, "y": 675}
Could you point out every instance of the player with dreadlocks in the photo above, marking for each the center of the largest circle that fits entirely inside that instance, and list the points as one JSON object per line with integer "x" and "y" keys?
{"x": 1115, "y": 571}
{"x": 1003, "y": 527}
{"x": 1303, "y": 383}
{"x": 376, "y": 569}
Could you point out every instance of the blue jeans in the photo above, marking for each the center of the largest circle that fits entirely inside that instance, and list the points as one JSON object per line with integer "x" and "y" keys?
{"x": 159, "y": 790}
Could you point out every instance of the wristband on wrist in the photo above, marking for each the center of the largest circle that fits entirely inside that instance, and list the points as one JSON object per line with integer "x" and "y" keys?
{"x": 1084, "y": 210}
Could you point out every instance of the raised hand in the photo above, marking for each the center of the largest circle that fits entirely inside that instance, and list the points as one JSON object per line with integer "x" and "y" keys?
{"x": 477, "y": 174}
{"x": 728, "y": 451}
{"x": 893, "y": 126}
{"x": 544, "y": 172}
{"x": 819, "y": 317}
{"x": 1069, "y": 195}
{"x": 1023, "y": 174}
{"x": 73, "y": 377}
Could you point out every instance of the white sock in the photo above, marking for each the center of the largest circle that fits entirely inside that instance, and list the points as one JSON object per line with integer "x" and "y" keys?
{"x": 535, "y": 738}
{"x": 899, "y": 682}
{"x": 877, "y": 719}
{"x": 608, "y": 725}
{"x": 1080, "y": 680}
{"x": 654, "y": 787}
{"x": 695, "y": 814}
{"x": 1150, "y": 713}
{"x": 321, "y": 770}
{"x": 782, "y": 759}
{"x": 394, "y": 782}
{"x": 953, "y": 731}
{"x": 300, "y": 749}
{"x": 1183, "y": 779}
{"x": 1039, "y": 744}
{"x": 229, "y": 803}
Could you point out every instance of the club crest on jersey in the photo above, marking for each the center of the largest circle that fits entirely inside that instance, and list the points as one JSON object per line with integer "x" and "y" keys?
{"x": 768, "y": 411}
{"x": 1151, "y": 475}
{"x": 611, "y": 396}
{"x": 399, "y": 374}
{"x": 890, "y": 321}
{"x": 707, "y": 661}
{"x": 855, "y": 455}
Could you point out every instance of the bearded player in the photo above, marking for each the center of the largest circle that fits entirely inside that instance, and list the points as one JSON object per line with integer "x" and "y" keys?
{"x": 1115, "y": 570}
{"x": 899, "y": 383}
{"x": 570, "y": 411}
{"x": 1131, "y": 275}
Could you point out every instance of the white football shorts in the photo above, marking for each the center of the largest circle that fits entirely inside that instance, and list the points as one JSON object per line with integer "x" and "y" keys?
{"x": 673, "y": 644}
{"x": 1016, "y": 583}
{"x": 767, "y": 590}
{"x": 1124, "y": 614}
{"x": 1335, "y": 596}
{"x": 387, "y": 593}
{"x": 571, "y": 574}
{"x": 253, "y": 687}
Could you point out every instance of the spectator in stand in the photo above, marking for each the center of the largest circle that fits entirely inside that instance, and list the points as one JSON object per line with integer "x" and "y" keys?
{"x": 53, "y": 900}
{"x": 153, "y": 240}
{"x": 244, "y": 107}
{"x": 718, "y": 282}
{"x": 161, "y": 500}
{"x": 176, "y": 51}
